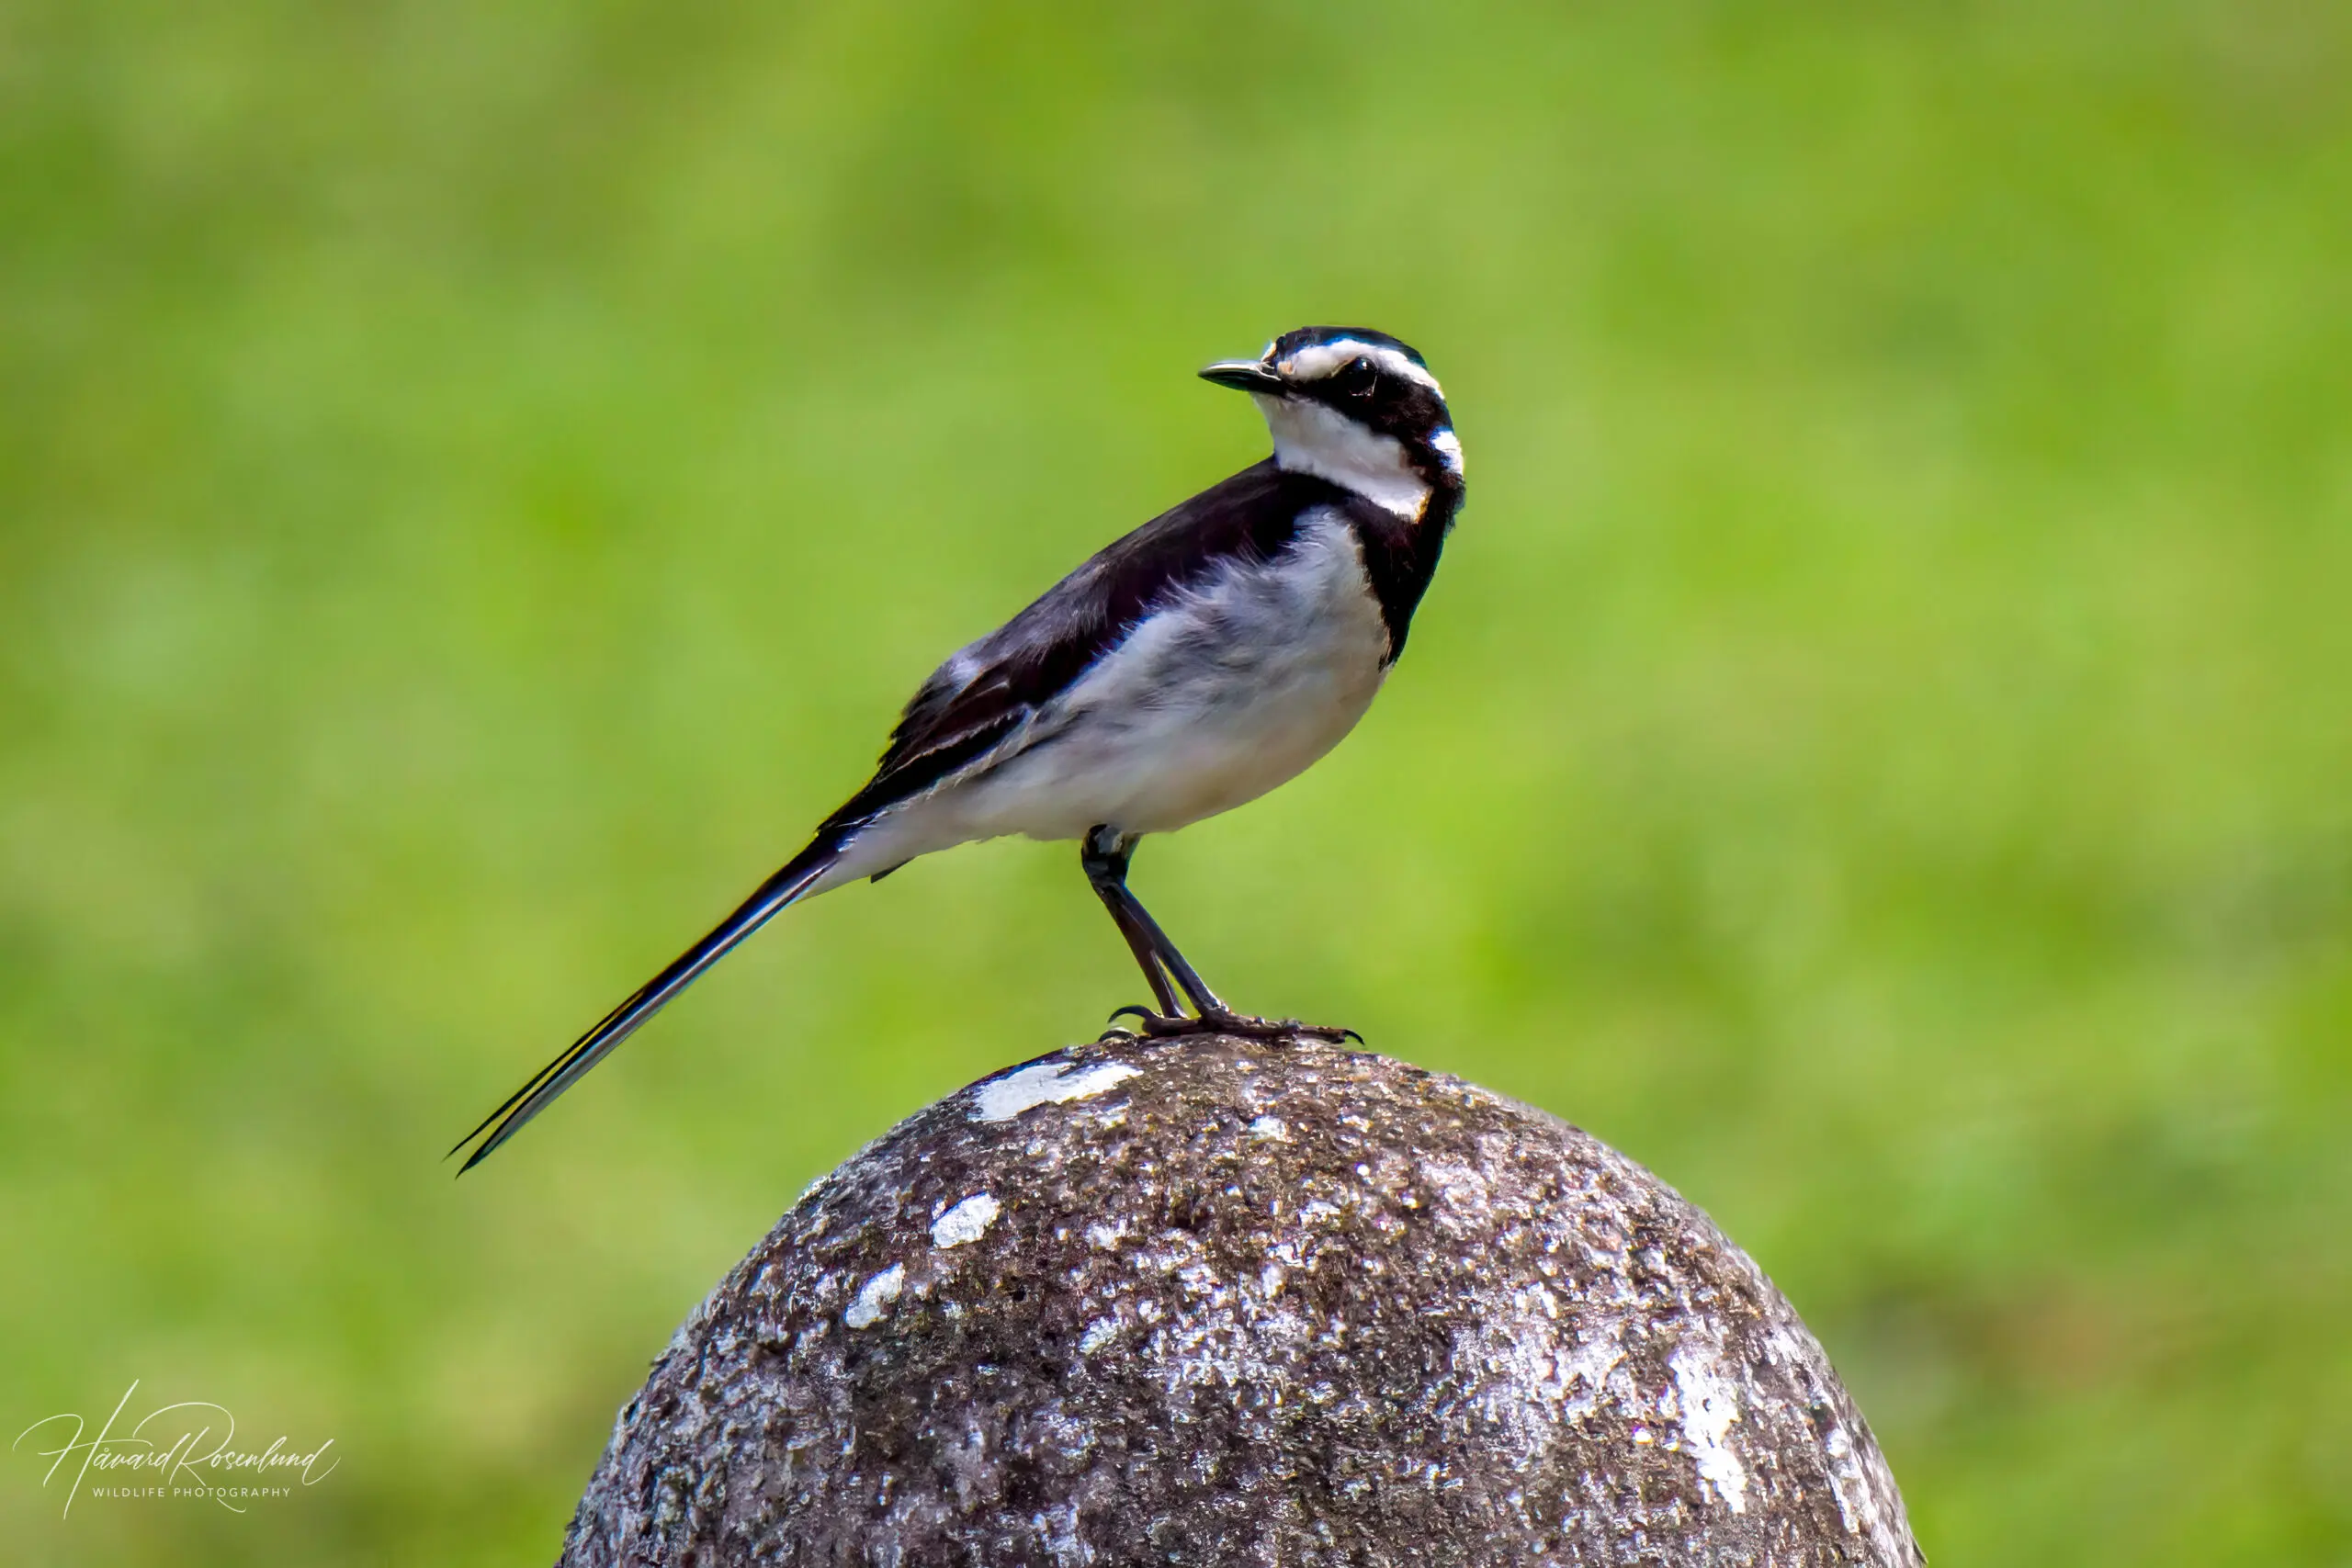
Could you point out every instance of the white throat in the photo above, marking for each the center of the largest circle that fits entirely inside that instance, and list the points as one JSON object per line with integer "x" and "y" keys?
{"x": 1310, "y": 438}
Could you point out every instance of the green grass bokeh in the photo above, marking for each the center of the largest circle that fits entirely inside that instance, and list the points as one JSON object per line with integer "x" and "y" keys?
{"x": 476, "y": 484}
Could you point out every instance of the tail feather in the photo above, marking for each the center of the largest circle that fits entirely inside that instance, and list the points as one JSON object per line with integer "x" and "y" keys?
{"x": 786, "y": 886}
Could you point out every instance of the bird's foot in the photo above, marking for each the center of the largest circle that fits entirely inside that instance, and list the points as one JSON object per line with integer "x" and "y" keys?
{"x": 1163, "y": 1026}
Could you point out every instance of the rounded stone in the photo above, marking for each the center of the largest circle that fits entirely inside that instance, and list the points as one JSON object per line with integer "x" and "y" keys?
{"x": 1221, "y": 1302}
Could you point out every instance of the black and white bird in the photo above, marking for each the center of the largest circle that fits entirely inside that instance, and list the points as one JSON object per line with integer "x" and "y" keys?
{"x": 1191, "y": 666}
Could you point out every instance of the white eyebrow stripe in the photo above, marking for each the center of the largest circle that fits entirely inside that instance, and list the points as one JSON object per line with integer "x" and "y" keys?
{"x": 1319, "y": 360}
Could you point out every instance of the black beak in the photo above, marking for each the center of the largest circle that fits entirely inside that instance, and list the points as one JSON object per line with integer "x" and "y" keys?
{"x": 1243, "y": 375}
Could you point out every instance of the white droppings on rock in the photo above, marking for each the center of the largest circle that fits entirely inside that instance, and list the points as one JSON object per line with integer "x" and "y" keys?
{"x": 1710, "y": 1405}
{"x": 875, "y": 1297}
{"x": 1059, "y": 1529}
{"x": 1857, "y": 1505}
{"x": 1044, "y": 1083}
{"x": 1461, "y": 1189}
{"x": 967, "y": 1221}
{"x": 1270, "y": 1129}
{"x": 1102, "y": 1238}
{"x": 1589, "y": 1364}
{"x": 1522, "y": 1391}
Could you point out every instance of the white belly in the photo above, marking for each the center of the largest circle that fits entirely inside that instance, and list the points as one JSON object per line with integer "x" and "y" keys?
{"x": 1237, "y": 688}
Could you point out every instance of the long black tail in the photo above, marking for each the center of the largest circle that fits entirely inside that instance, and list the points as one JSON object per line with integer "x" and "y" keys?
{"x": 786, "y": 886}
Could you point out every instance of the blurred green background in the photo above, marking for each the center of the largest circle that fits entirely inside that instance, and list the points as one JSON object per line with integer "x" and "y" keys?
{"x": 476, "y": 482}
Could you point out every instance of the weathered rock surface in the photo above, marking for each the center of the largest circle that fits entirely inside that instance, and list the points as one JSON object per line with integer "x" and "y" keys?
{"x": 1221, "y": 1303}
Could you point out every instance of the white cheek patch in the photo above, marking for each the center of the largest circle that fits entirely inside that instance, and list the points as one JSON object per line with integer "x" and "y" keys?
{"x": 1448, "y": 447}
{"x": 1312, "y": 439}
{"x": 1319, "y": 360}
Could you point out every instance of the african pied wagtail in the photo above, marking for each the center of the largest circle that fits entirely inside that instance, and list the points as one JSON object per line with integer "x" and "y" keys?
{"x": 1207, "y": 657}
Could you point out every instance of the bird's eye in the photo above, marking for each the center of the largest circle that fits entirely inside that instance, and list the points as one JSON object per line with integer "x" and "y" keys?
{"x": 1359, "y": 378}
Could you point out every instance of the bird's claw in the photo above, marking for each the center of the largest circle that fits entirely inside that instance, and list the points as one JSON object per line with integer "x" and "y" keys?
{"x": 1114, "y": 1035}
{"x": 1166, "y": 1026}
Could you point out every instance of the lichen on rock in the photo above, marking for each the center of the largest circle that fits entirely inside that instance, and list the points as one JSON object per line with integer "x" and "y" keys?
{"x": 1224, "y": 1302}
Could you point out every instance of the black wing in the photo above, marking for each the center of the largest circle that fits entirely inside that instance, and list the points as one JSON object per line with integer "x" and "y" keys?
{"x": 988, "y": 689}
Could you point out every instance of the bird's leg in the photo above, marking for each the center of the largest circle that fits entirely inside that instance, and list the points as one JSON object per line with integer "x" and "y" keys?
{"x": 1105, "y": 854}
{"x": 1204, "y": 1001}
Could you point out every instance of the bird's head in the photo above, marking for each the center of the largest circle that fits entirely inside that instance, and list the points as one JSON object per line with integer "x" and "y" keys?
{"x": 1355, "y": 407}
